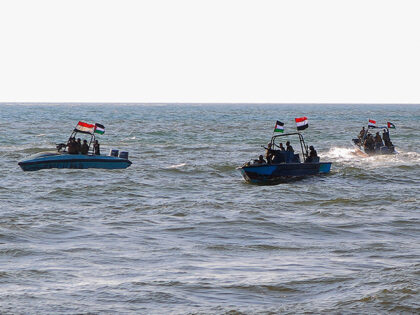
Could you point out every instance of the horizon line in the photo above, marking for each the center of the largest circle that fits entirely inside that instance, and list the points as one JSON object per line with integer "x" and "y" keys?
{"x": 201, "y": 103}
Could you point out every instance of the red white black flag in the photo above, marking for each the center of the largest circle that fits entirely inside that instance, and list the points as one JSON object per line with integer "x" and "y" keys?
{"x": 84, "y": 127}
{"x": 301, "y": 123}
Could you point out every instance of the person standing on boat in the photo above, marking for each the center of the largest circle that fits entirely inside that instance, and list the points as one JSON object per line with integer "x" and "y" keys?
{"x": 269, "y": 153}
{"x": 281, "y": 147}
{"x": 72, "y": 146}
{"x": 385, "y": 136}
{"x": 378, "y": 141}
{"x": 362, "y": 133}
{"x": 289, "y": 147}
{"x": 78, "y": 145}
{"x": 312, "y": 152}
{"x": 369, "y": 144}
{"x": 96, "y": 148}
{"x": 84, "y": 149}
{"x": 366, "y": 142}
{"x": 313, "y": 155}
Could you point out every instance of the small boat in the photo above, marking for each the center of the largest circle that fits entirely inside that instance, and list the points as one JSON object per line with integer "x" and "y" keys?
{"x": 284, "y": 165}
{"x": 62, "y": 158}
{"x": 45, "y": 160}
{"x": 366, "y": 145}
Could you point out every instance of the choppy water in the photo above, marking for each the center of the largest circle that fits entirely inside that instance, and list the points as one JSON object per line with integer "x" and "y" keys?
{"x": 181, "y": 232}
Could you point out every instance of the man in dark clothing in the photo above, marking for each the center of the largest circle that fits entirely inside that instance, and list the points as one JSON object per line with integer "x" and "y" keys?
{"x": 84, "y": 148}
{"x": 96, "y": 148}
{"x": 281, "y": 147}
{"x": 362, "y": 133}
{"x": 378, "y": 141}
{"x": 369, "y": 144}
{"x": 289, "y": 147}
{"x": 79, "y": 145}
{"x": 72, "y": 146}
{"x": 312, "y": 155}
{"x": 312, "y": 152}
{"x": 385, "y": 136}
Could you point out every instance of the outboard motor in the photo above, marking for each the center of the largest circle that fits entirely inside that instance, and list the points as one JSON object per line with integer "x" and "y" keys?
{"x": 124, "y": 155}
{"x": 113, "y": 152}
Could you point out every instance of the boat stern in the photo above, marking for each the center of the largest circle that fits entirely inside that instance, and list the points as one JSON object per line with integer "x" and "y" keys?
{"x": 324, "y": 167}
{"x": 73, "y": 161}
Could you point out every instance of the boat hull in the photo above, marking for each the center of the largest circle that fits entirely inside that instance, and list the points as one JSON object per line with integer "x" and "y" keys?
{"x": 76, "y": 161}
{"x": 383, "y": 150}
{"x": 273, "y": 174}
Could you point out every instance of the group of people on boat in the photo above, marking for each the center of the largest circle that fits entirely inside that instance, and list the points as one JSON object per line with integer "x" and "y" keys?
{"x": 270, "y": 154}
{"x": 77, "y": 147}
{"x": 372, "y": 143}
{"x": 313, "y": 155}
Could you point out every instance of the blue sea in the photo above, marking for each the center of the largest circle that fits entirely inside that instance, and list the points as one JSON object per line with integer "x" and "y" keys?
{"x": 181, "y": 232}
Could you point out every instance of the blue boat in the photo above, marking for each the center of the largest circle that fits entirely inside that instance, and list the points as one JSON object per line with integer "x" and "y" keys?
{"x": 45, "y": 160}
{"x": 62, "y": 158}
{"x": 283, "y": 166}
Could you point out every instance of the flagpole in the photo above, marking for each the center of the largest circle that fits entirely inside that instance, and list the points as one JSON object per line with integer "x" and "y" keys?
{"x": 72, "y": 133}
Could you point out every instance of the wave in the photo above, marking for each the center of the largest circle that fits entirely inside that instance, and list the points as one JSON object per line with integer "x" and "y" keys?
{"x": 350, "y": 156}
{"x": 128, "y": 138}
{"x": 409, "y": 156}
{"x": 341, "y": 154}
{"x": 177, "y": 165}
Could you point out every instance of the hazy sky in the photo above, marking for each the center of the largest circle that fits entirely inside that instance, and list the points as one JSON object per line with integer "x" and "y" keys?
{"x": 210, "y": 51}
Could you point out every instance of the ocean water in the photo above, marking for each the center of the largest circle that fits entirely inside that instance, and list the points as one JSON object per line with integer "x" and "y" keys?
{"x": 180, "y": 231}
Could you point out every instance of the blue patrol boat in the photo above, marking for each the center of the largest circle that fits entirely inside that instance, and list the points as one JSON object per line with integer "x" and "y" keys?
{"x": 283, "y": 166}
{"x": 64, "y": 157}
{"x": 45, "y": 160}
{"x": 367, "y": 145}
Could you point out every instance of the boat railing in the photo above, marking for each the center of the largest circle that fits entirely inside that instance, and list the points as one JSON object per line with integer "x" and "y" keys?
{"x": 92, "y": 140}
{"x": 303, "y": 146}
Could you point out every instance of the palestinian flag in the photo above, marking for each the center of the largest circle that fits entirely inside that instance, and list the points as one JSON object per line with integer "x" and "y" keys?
{"x": 279, "y": 127}
{"x": 390, "y": 125}
{"x": 99, "y": 129}
{"x": 84, "y": 127}
{"x": 301, "y": 123}
{"x": 372, "y": 123}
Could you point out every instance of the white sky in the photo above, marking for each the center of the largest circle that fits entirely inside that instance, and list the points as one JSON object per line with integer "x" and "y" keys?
{"x": 210, "y": 51}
